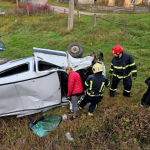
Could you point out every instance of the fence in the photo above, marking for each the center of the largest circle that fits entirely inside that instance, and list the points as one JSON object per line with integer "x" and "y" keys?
{"x": 98, "y": 17}
{"x": 23, "y": 11}
{"x": 135, "y": 9}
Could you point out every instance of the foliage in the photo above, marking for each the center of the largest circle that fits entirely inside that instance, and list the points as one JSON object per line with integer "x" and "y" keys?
{"x": 41, "y": 7}
{"x": 118, "y": 123}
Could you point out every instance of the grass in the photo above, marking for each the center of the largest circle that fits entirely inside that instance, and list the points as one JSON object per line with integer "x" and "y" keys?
{"x": 118, "y": 123}
{"x": 54, "y": 2}
{"x": 7, "y": 5}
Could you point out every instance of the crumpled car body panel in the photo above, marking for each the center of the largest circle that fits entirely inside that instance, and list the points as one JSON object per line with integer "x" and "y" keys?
{"x": 31, "y": 85}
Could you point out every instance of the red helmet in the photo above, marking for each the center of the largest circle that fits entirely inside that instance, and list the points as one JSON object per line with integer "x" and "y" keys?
{"x": 117, "y": 49}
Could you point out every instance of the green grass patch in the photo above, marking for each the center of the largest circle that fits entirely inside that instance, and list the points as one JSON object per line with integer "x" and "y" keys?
{"x": 7, "y": 4}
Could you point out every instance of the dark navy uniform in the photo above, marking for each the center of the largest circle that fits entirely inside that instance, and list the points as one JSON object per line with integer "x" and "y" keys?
{"x": 123, "y": 68}
{"x": 146, "y": 97}
{"x": 95, "y": 84}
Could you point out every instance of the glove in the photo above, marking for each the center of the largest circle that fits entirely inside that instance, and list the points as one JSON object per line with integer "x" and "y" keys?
{"x": 133, "y": 78}
{"x": 109, "y": 75}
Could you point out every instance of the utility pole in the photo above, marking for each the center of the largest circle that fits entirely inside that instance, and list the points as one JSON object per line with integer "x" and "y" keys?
{"x": 71, "y": 14}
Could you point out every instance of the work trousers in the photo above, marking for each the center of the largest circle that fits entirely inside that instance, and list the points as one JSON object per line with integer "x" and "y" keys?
{"x": 74, "y": 100}
{"x": 146, "y": 98}
{"x": 127, "y": 83}
{"x": 93, "y": 100}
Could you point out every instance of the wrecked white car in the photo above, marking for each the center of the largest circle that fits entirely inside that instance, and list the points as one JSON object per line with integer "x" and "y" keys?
{"x": 34, "y": 84}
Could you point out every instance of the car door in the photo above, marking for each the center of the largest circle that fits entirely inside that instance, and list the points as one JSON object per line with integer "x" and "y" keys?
{"x": 39, "y": 92}
{"x": 10, "y": 101}
{"x": 39, "y": 89}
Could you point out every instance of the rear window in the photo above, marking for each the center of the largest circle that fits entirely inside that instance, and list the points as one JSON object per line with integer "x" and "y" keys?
{"x": 42, "y": 65}
{"x": 16, "y": 70}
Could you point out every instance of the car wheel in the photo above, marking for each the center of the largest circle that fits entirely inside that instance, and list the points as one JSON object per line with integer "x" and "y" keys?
{"x": 3, "y": 60}
{"x": 75, "y": 50}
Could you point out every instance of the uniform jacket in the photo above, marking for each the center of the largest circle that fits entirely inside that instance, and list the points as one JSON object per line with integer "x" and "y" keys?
{"x": 96, "y": 83}
{"x": 74, "y": 84}
{"x": 147, "y": 81}
{"x": 123, "y": 67}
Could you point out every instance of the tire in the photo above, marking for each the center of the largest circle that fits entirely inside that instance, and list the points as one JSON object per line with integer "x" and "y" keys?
{"x": 3, "y": 60}
{"x": 75, "y": 50}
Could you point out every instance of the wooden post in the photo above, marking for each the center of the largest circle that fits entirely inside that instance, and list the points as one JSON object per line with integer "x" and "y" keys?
{"x": 64, "y": 11}
{"x": 97, "y": 2}
{"x": 124, "y": 30}
{"x": 134, "y": 8}
{"x": 17, "y": 3}
{"x": 71, "y": 14}
{"x": 28, "y": 11}
{"x": 95, "y": 20}
{"x": 53, "y": 10}
{"x": 78, "y": 16}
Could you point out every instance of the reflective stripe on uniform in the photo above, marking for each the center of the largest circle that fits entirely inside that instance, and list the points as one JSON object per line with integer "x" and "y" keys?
{"x": 80, "y": 107}
{"x": 111, "y": 69}
{"x": 116, "y": 67}
{"x": 103, "y": 83}
{"x": 134, "y": 71}
{"x": 90, "y": 114}
{"x": 126, "y": 91}
{"x": 86, "y": 84}
{"x": 113, "y": 89}
{"x": 108, "y": 83}
{"x": 94, "y": 95}
{"x": 91, "y": 83}
{"x": 132, "y": 64}
{"x": 121, "y": 77}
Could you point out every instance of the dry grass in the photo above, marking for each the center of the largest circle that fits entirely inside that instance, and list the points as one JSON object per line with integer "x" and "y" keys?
{"x": 117, "y": 124}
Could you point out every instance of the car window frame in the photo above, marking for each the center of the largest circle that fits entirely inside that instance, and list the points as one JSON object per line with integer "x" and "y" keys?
{"x": 11, "y": 68}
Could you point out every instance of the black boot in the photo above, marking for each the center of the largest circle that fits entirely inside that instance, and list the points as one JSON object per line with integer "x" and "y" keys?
{"x": 112, "y": 94}
{"x": 126, "y": 94}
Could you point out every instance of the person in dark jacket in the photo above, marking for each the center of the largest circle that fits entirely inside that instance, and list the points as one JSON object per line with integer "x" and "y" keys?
{"x": 95, "y": 84}
{"x": 123, "y": 67}
{"x": 145, "y": 101}
{"x": 75, "y": 89}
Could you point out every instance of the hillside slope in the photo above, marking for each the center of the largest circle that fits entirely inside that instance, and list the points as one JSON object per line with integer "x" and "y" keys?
{"x": 118, "y": 123}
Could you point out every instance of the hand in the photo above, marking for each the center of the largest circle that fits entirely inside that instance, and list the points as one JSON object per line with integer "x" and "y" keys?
{"x": 109, "y": 75}
{"x": 133, "y": 78}
{"x": 68, "y": 97}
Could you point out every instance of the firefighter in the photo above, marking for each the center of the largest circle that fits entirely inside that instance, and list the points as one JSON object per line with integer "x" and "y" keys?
{"x": 95, "y": 84}
{"x": 145, "y": 101}
{"x": 123, "y": 67}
